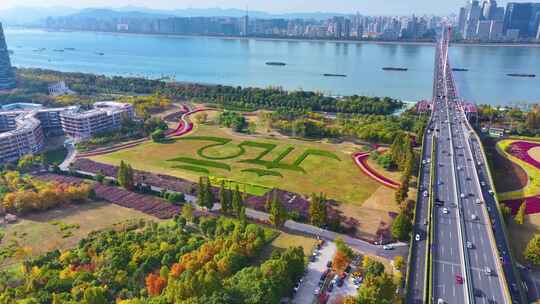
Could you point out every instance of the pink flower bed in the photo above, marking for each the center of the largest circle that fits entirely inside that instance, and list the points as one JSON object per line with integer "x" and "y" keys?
{"x": 361, "y": 161}
{"x": 532, "y": 204}
{"x": 185, "y": 126}
{"x": 520, "y": 149}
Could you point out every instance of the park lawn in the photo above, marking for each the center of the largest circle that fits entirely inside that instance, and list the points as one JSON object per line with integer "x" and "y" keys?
{"x": 286, "y": 240}
{"x": 339, "y": 180}
{"x": 522, "y": 234}
{"x": 37, "y": 234}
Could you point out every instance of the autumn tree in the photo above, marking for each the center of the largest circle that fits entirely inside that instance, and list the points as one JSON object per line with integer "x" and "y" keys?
{"x": 401, "y": 227}
{"x": 340, "y": 262}
{"x": 155, "y": 284}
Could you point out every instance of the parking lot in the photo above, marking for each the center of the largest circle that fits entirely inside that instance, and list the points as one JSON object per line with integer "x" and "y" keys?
{"x": 306, "y": 291}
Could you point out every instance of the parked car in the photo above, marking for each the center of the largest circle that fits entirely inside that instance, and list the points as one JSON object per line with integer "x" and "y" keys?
{"x": 329, "y": 264}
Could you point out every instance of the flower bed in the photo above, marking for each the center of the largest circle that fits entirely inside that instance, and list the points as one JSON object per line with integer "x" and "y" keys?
{"x": 145, "y": 203}
{"x": 361, "y": 161}
{"x": 532, "y": 204}
{"x": 520, "y": 149}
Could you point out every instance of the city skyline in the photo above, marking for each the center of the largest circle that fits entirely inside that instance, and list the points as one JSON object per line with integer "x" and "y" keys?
{"x": 280, "y": 6}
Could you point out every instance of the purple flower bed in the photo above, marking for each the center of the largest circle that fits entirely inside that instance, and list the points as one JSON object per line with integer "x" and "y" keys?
{"x": 520, "y": 149}
{"x": 532, "y": 204}
{"x": 145, "y": 203}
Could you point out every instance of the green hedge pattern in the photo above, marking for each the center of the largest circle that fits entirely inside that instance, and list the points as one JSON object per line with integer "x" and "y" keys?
{"x": 261, "y": 172}
{"x": 201, "y": 162}
{"x": 192, "y": 168}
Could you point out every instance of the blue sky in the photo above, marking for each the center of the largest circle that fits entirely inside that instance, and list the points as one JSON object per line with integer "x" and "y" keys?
{"x": 277, "y": 6}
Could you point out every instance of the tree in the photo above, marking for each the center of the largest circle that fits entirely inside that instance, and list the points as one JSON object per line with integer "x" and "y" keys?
{"x": 520, "y": 215}
{"x": 99, "y": 177}
{"x": 401, "y": 227}
{"x": 201, "y": 118}
{"x": 125, "y": 176}
{"x": 532, "y": 251}
{"x": 344, "y": 248}
{"x": 398, "y": 262}
{"x": 377, "y": 290}
{"x": 158, "y": 135}
{"x": 318, "y": 215}
{"x": 278, "y": 213}
{"x": 155, "y": 284}
{"x": 224, "y": 198}
{"x": 208, "y": 199}
{"x": 340, "y": 262}
{"x": 237, "y": 203}
{"x": 201, "y": 193}
{"x": 95, "y": 295}
{"x": 188, "y": 212}
{"x": 401, "y": 192}
{"x": 506, "y": 213}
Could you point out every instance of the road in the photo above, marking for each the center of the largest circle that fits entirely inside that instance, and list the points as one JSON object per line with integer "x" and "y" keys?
{"x": 469, "y": 250}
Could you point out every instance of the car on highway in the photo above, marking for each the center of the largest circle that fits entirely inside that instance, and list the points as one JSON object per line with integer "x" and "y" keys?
{"x": 469, "y": 245}
{"x": 417, "y": 237}
{"x": 440, "y": 301}
{"x": 459, "y": 279}
{"x": 491, "y": 192}
{"x": 478, "y": 201}
{"x": 445, "y": 211}
{"x": 462, "y": 195}
{"x": 487, "y": 271}
{"x": 483, "y": 183}
{"x": 474, "y": 217}
{"x": 425, "y": 194}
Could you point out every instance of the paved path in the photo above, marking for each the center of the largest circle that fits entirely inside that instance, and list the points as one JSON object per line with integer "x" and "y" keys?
{"x": 306, "y": 292}
{"x": 70, "y": 157}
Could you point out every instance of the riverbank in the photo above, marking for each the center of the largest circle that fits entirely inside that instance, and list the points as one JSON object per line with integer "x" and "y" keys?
{"x": 293, "y": 39}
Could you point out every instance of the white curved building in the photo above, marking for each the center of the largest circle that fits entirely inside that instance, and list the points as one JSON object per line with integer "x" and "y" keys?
{"x": 23, "y": 126}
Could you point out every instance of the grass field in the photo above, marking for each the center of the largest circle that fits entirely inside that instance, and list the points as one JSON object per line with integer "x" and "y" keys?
{"x": 286, "y": 240}
{"x": 329, "y": 168}
{"x": 61, "y": 228}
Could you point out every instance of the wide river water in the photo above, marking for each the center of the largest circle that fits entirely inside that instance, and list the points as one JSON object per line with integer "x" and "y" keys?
{"x": 242, "y": 62}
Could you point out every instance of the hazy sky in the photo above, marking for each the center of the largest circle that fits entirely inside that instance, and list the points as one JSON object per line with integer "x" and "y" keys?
{"x": 278, "y": 6}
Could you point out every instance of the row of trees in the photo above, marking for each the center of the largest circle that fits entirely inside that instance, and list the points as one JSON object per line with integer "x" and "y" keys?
{"x": 22, "y": 194}
{"x": 142, "y": 262}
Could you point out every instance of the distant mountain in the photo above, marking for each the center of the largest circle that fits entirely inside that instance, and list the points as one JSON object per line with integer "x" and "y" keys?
{"x": 109, "y": 13}
{"x": 37, "y": 15}
{"x": 32, "y": 15}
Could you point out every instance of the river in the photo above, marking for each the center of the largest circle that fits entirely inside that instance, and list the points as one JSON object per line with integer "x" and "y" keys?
{"x": 243, "y": 62}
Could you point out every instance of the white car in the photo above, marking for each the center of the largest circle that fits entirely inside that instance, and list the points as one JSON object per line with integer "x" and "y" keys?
{"x": 462, "y": 195}
{"x": 487, "y": 271}
{"x": 425, "y": 193}
{"x": 387, "y": 247}
{"x": 445, "y": 210}
{"x": 478, "y": 201}
{"x": 474, "y": 217}
{"x": 483, "y": 183}
{"x": 469, "y": 245}
{"x": 417, "y": 237}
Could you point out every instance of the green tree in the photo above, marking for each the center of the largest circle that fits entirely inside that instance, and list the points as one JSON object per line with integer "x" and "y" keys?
{"x": 208, "y": 199}
{"x": 520, "y": 215}
{"x": 237, "y": 203}
{"x": 344, "y": 248}
{"x": 95, "y": 295}
{"x": 506, "y": 213}
{"x": 188, "y": 212}
{"x": 278, "y": 213}
{"x": 224, "y": 198}
{"x": 532, "y": 251}
{"x": 125, "y": 176}
{"x": 158, "y": 135}
{"x": 201, "y": 193}
{"x": 377, "y": 290}
{"x": 401, "y": 227}
{"x": 318, "y": 214}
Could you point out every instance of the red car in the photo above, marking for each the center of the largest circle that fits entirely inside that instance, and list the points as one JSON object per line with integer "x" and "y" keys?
{"x": 459, "y": 279}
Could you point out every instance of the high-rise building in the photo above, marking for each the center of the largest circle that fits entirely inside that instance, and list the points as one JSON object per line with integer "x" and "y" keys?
{"x": 483, "y": 30}
{"x": 474, "y": 12}
{"x": 488, "y": 9}
{"x": 538, "y": 33}
{"x": 7, "y": 75}
{"x": 496, "y": 30}
{"x": 518, "y": 17}
{"x": 462, "y": 19}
